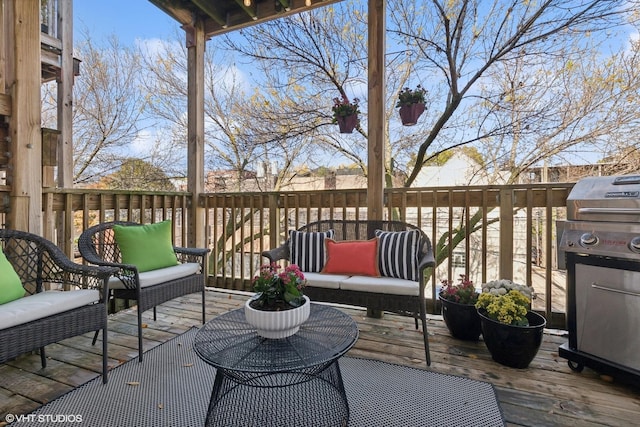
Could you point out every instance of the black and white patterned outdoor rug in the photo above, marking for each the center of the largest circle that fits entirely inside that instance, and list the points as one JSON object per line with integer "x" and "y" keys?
{"x": 172, "y": 387}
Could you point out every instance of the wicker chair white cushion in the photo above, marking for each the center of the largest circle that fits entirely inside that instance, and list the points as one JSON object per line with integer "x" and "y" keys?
{"x": 44, "y": 304}
{"x": 161, "y": 275}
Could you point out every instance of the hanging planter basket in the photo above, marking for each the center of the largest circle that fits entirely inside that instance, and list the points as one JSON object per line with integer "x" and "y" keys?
{"x": 347, "y": 123}
{"x": 410, "y": 113}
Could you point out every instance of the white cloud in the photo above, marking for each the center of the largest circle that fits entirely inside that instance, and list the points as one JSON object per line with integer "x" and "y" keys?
{"x": 143, "y": 144}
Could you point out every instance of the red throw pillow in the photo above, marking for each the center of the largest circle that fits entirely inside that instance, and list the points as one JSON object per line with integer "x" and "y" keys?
{"x": 353, "y": 257}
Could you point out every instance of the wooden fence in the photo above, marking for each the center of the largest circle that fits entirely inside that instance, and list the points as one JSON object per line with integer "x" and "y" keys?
{"x": 483, "y": 232}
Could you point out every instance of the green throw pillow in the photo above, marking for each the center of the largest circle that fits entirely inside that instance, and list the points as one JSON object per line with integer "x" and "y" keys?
{"x": 10, "y": 283}
{"x": 148, "y": 247}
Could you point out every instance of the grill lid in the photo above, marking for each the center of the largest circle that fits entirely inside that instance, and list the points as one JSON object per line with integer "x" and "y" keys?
{"x": 605, "y": 198}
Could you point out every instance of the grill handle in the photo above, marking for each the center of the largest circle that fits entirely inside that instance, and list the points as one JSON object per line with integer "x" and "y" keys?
{"x": 618, "y": 291}
{"x": 610, "y": 211}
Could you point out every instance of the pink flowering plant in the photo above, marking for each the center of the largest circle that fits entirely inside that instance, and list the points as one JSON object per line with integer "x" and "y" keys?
{"x": 463, "y": 292}
{"x": 343, "y": 107}
{"x": 411, "y": 96}
{"x": 278, "y": 290}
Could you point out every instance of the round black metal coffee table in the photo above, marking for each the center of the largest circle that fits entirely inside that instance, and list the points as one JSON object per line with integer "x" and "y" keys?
{"x": 291, "y": 381}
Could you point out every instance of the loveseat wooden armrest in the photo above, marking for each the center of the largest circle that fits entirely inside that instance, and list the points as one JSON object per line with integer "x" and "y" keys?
{"x": 413, "y": 305}
{"x": 40, "y": 263}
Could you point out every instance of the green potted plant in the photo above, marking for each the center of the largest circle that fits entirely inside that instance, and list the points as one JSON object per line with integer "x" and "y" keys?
{"x": 279, "y": 306}
{"x": 511, "y": 331}
{"x": 345, "y": 113}
{"x": 458, "y": 308}
{"x": 412, "y": 104}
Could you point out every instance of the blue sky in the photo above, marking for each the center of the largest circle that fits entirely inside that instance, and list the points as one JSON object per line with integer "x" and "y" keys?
{"x": 128, "y": 19}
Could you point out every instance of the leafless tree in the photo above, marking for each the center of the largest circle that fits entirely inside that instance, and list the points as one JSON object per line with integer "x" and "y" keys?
{"x": 306, "y": 61}
{"x": 243, "y": 134}
{"x": 108, "y": 107}
{"x": 464, "y": 52}
{"x": 483, "y": 57}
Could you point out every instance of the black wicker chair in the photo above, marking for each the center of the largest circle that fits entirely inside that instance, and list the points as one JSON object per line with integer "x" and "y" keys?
{"x": 37, "y": 262}
{"x": 97, "y": 246}
{"x": 414, "y": 306}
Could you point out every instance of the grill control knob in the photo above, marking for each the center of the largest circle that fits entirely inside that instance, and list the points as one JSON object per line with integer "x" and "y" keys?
{"x": 634, "y": 244}
{"x": 588, "y": 239}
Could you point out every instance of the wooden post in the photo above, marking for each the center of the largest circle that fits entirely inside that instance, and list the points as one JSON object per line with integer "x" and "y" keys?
{"x": 195, "y": 155}
{"x": 376, "y": 107}
{"x": 65, "y": 96}
{"x": 26, "y": 141}
{"x": 4, "y": 108}
{"x": 506, "y": 234}
{"x": 274, "y": 221}
{"x": 376, "y": 143}
{"x": 50, "y": 142}
{"x": 65, "y": 120}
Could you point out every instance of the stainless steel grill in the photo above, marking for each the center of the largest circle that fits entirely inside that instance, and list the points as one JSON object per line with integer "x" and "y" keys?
{"x": 603, "y": 217}
{"x": 601, "y": 242}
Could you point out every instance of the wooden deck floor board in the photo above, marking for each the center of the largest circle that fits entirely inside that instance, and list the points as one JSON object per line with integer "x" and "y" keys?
{"x": 546, "y": 393}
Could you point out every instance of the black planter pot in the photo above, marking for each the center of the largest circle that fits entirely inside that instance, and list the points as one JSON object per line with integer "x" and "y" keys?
{"x": 462, "y": 320}
{"x": 513, "y": 346}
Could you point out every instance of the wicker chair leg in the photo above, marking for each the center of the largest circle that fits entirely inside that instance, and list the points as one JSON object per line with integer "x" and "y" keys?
{"x": 43, "y": 358}
{"x": 104, "y": 355}
{"x": 154, "y": 314}
{"x": 425, "y": 334}
{"x": 203, "y": 315}
{"x": 95, "y": 338}
{"x": 140, "y": 334}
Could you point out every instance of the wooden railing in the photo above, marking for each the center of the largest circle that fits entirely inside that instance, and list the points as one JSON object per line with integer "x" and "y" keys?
{"x": 68, "y": 212}
{"x": 483, "y": 232}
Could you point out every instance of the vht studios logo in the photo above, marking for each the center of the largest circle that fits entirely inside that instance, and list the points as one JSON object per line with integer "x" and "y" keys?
{"x": 43, "y": 418}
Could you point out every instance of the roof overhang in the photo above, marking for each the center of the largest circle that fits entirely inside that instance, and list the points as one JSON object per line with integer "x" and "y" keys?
{"x": 222, "y": 16}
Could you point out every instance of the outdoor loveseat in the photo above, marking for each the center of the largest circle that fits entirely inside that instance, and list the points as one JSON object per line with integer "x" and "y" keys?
{"x": 31, "y": 316}
{"x": 391, "y": 280}
{"x": 155, "y": 271}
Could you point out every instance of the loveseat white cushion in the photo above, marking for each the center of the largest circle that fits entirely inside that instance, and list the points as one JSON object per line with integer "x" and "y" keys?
{"x": 44, "y": 304}
{"x": 381, "y": 285}
{"x": 322, "y": 280}
{"x": 161, "y": 275}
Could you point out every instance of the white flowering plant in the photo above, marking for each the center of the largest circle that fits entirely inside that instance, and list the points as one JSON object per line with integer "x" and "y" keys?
{"x": 503, "y": 286}
{"x": 506, "y": 302}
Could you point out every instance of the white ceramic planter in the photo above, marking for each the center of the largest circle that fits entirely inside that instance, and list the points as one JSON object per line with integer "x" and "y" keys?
{"x": 277, "y": 324}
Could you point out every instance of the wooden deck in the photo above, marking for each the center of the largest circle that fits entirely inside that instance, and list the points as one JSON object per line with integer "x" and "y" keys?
{"x": 547, "y": 393}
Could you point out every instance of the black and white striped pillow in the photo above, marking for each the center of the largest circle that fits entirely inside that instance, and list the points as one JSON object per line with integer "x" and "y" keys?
{"x": 398, "y": 253}
{"x": 306, "y": 249}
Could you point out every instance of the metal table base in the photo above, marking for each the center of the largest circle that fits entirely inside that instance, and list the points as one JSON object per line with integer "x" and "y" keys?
{"x": 280, "y": 399}
{"x": 294, "y": 381}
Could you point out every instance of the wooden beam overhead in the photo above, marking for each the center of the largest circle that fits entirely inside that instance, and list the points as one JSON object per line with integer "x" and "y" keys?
{"x": 211, "y": 11}
{"x": 249, "y": 6}
{"x": 285, "y": 4}
{"x": 222, "y": 16}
